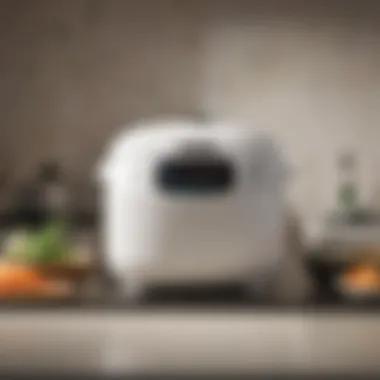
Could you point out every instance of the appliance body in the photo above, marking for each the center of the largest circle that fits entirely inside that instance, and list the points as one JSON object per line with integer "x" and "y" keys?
{"x": 189, "y": 203}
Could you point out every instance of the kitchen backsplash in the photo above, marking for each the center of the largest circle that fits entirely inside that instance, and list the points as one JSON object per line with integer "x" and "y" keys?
{"x": 74, "y": 72}
{"x": 312, "y": 80}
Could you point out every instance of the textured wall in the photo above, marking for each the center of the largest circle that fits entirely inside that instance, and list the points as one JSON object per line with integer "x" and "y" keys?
{"x": 73, "y": 71}
{"x": 309, "y": 75}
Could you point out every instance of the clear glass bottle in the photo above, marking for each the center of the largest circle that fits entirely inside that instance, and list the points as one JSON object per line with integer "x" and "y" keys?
{"x": 348, "y": 187}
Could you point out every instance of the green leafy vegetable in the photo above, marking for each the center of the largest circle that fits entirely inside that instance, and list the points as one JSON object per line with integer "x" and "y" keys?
{"x": 48, "y": 245}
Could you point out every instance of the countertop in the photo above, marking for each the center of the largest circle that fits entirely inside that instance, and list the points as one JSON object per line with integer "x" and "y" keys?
{"x": 188, "y": 341}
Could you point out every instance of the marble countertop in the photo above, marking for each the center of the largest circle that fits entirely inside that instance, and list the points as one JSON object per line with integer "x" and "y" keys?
{"x": 178, "y": 341}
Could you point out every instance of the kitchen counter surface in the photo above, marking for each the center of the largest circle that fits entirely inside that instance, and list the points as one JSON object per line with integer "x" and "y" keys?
{"x": 168, "y": 341}
{"x": 103, "y": 336}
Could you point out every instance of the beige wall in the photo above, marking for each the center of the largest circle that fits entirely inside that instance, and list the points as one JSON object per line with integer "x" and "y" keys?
{"x": 74, "y": 71}
{"x": 310, "y": 76}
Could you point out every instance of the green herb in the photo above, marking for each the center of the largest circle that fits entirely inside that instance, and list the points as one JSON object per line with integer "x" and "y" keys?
{"x": 48, "y": 245}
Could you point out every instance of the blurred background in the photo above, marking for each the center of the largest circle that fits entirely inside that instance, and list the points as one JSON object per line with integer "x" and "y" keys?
{"x": 75, "y": 72}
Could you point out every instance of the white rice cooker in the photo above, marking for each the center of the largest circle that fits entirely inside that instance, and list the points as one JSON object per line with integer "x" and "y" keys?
{"x": 189, "y": 203}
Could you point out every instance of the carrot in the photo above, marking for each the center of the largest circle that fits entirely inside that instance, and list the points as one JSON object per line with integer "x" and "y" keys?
{"x": 362, "y": 276}
{"x": 20, "y": 279}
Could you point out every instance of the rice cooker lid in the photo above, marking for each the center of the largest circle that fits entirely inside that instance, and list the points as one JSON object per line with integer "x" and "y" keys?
{"x": 135, "y": 139}
{"x": 130, "y": 144}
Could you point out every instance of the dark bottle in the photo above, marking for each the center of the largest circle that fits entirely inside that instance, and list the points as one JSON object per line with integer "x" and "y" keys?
{"x": 28, "y": 213}
{"x": 42, "y": 199}
{"x": 53, "y": 197}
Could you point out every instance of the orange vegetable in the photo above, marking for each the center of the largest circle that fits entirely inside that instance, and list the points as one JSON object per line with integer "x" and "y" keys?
{"x": 362, "y": 276}
{"x": 19, "y": 279}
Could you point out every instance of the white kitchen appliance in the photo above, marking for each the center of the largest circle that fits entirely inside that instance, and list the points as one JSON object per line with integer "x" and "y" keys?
{"x": 191, "y": 203}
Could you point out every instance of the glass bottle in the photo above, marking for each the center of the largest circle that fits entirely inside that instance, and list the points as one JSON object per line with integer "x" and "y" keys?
{"x": 53, "y": 192}
{"x": 348, "y": 189}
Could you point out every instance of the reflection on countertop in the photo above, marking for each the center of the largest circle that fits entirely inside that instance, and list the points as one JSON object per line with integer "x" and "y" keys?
{"x": 177, "y": 341}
